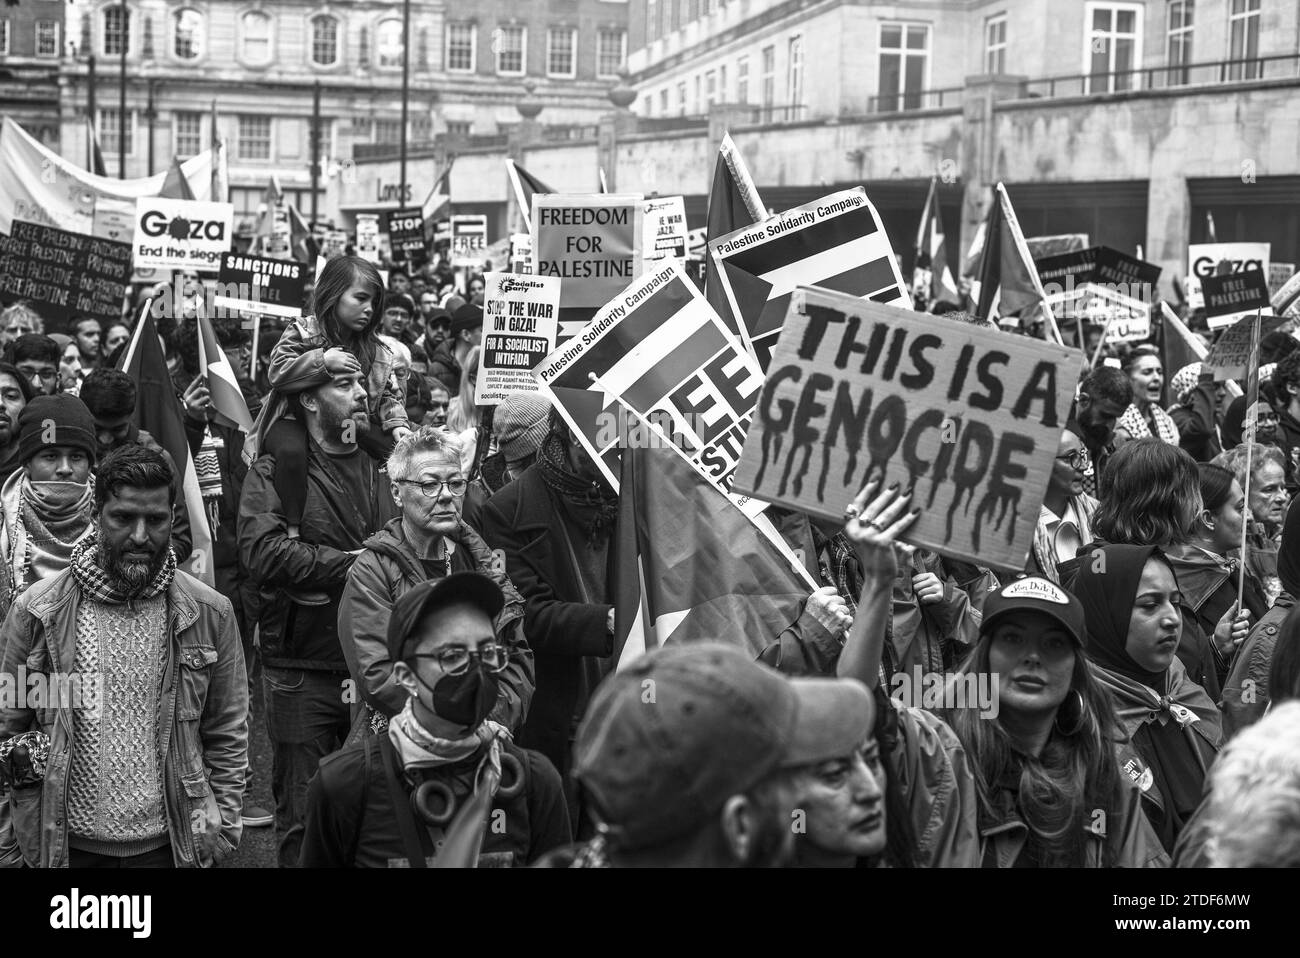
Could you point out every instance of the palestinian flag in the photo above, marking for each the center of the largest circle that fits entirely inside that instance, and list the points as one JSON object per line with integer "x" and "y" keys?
{"x": 525, "y": 185}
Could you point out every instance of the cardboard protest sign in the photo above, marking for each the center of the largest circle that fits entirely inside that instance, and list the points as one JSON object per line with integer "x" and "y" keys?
{"x": 1046, "y": 247}
{"x": 277, "y": 245}
{"x": 665, "y": 229}
{"x": 593, "y": 243}
{"x": 335, "y": 242}
{"x": 521, "y": 253}
{"x": 368, "y": 236}
{"x": 1231, "y": 296}
{"x": 1125, "y": 318}
{"x": 968, "y": 417}
{"x": 181, "y": 234}
{"x": 273, "y": 287}
{"x": 114, "y": 219}
{"x": 1229, "y": 357}
{"x": 836, "y": 242}
{"x": 1203, "y": 260}
{"x": 406, "y": 233}
{"x": 520, "y": 317}
{"x": 1126, "y": 274}
{"x": 1063, "y": 273}
{"x": 1278, "y": 274}
{"x": 63, "y": 274}
{"x": 468, "y": 240}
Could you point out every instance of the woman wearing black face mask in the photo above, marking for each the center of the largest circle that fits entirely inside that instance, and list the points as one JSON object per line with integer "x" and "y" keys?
{"x": 394, "y": 797}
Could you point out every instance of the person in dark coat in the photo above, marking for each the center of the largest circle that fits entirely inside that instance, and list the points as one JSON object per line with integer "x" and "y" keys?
{"x": 447, "y": 362}
{"x": 555, "y": 524}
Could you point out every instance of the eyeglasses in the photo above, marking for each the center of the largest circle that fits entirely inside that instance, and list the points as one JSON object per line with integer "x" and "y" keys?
{"x": 433, "y": 488}
{"x": 456, "y": 659}
{"x": 1074, "y": 457}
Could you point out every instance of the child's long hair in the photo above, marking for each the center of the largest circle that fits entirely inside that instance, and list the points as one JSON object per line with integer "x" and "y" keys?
{"x": 462, "y": 414}
{"x": 1075, "y": 775}
{"x": 338, "y": 276}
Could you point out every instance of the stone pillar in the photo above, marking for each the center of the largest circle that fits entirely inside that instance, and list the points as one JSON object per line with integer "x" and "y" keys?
{"x": 979, "y": 147}
{"x": 525, "y": 134}
{"x": 1169, "y": 214}
{"x": 613, "y": 126}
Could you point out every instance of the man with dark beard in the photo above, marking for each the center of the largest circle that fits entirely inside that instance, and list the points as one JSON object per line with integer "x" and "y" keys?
{"x": 300, "y": 582}
{"x": 686, "y": 758}
{"x": 1104, "y": 394}
{"x": 146, "y": 755}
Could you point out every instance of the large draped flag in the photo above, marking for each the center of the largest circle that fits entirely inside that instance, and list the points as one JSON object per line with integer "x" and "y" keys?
{"x": 158, "y": 412}
{"x": 1008, "y": 281}
{"x": 932, "y": 252}
{"x": 734, "y": 203}
{"x": 94, "y": 155}
{"x": 689, "y": 565}
{"x": 39, "y": 186}
{"x": 525, "y": 185}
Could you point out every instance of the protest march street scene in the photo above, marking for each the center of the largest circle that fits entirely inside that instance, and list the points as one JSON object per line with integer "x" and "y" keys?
{"x": 625, "y": 434}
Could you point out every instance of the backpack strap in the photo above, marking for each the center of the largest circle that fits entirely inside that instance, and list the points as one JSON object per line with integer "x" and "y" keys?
{"x": 416, "y": 850}
{"x": 368, "y": 747}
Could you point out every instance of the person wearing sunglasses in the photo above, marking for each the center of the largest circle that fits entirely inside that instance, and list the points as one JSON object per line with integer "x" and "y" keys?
{"x": 400, "y": 798}
{"x": 1065, "y": 520}
{"x": 429, "y": 541}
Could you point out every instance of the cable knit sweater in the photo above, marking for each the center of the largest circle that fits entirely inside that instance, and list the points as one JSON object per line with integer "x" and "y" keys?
{"x": 115, "y": 784}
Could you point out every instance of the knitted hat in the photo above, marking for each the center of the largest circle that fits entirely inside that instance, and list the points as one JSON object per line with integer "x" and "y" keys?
{"x": 399, "y": 301}
{"x": 520, "y": 424}
{"x": 1185, "y": 380}
{"x": 468, "y": 316}
{"x": 58, "y": 420}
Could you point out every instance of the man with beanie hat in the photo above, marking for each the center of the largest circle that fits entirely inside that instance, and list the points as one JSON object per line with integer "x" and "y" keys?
{"x": 466, "y": 332}
{"x": 520, "y": 425}
{"x": 47, "y": 504}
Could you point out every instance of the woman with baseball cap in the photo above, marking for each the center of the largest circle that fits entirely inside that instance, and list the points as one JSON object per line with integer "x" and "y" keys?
{"x": 1035, "y": 765}
{"x": 1172, "y": 729}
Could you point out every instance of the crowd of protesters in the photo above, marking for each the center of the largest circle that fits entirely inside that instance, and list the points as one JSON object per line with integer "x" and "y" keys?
{"x": 422, "y": 587}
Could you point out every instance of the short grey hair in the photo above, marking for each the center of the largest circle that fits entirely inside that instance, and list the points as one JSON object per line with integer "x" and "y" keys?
{"x": 426, "y": 440}
{"x": 1234, "y": 460}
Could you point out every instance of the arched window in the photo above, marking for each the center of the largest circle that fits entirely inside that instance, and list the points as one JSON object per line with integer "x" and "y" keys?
{"x": 324, "y": 40}
{"x": 255, "y": 37}
{"x": 388, "y": 43}
{"x": 117, "y": 30}
{"x": 187, "y": 31}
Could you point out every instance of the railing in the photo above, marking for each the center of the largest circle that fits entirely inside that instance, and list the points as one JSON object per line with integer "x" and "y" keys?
{"x": 1166, "y": 77}
{"x": 669, "y": 124}
{"x": 944, "y": 98}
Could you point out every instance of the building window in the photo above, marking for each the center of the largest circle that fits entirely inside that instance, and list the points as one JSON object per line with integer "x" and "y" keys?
{"x": 4, "y": 37}
{"x": 904, "y": 62}
{"x": 189, "y": 133}
{"x": 117, "y": 31}
{"x": 1114, "y": 41}
{"x": 47, "y": 38}
{"x": 1178, "y": 45}
{"x": 611, "y": 49}
{"x": 254, "y": 137}
{"x": 561, "y": 51}
{"x": 388, "y": 131}
{"x": 681, "y": 98}
{"x": 459, "y": 127}
{"x": 722, "y": 82}
{"x": 742, "y": 80}
{"x": 995, "y": 44}
{"x": 255, "y": 38}
{"x": 698, "y": 99}
{"x": 652, "y": 25}
{"x": 710, "y": 88}
{"x": 769, "y": 76}
{"x": 109, "y": 129}
{"x": 663, "y": 102}
{"x": 324, "y": 40}
{"x": 794, "y": 71}
{"x": 187, "y": 34}
{"x": 1243, "y": 41}
{"x": 674, "y": 14}
{"x": 511, "y": 51}
{"x": 389, "y": 44}
{"x": 460, "y": 47}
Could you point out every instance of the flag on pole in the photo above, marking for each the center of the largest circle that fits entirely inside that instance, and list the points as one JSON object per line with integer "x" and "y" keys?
{"x": 1211, "y": 233}
{"x": 734, "y": 203}
{"x": 302, "y": 245}
{"x": 932, "y": 252}
{"x": 525, "y": 185}
{"x": 604, "y": 186}
{"x": 94, "y": 156}
{"x": 689, "y": 565}
{"x": 177, "y": 185}
{"x": 1008, "y": 281}
{"x": 158, "y": 412}
{"x": 223, "y": 386}
{"x": 220, "y": 190}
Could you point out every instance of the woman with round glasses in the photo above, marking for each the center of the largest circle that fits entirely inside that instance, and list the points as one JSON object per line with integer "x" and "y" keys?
{"x": 428, "y": 541}
{"x": 1065, "y": 521}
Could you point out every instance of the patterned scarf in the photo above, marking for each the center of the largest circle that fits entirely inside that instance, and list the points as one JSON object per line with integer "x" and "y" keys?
{"x": 207, "y": 466}
{"x": 96, "y": 583}
{"x": 590, "y": 498}
{"x": 1135, "y": 424}
{"x": 417, "y": 748}
{"x": 44, "y": 531}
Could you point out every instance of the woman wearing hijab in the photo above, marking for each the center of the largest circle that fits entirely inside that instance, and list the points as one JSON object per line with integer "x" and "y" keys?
{"x": 1131, "y": 604}
{"x": 1034, "y": 763}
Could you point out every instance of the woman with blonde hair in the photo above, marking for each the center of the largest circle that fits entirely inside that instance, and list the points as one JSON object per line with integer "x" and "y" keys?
{"x": 463, "y": 414}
